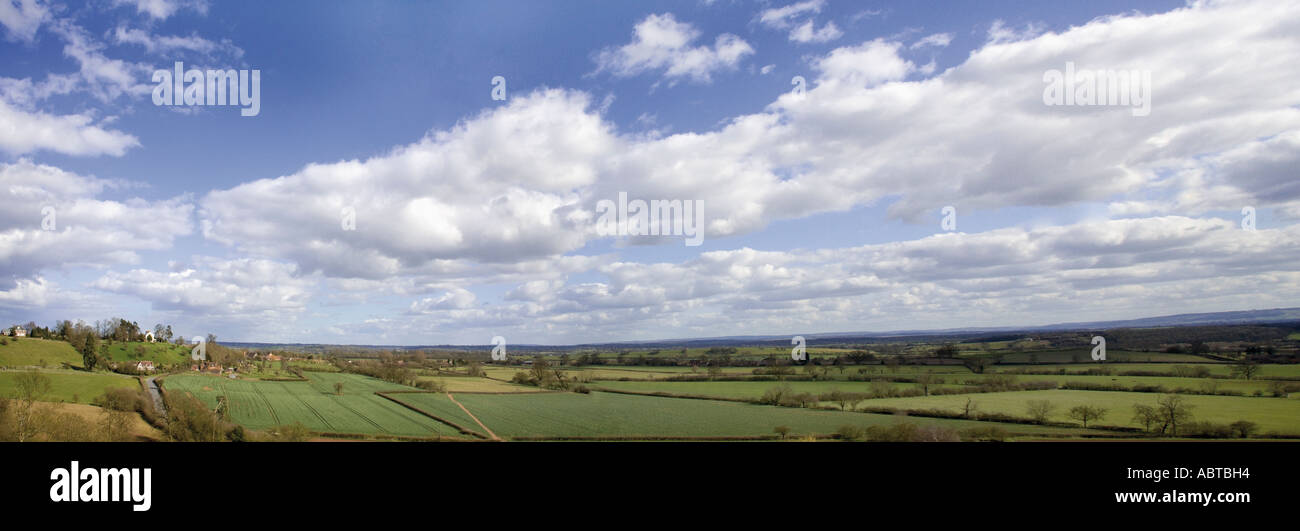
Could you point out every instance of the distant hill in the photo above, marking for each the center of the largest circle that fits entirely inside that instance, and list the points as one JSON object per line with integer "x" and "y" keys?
{"x": 1276, "y": 315}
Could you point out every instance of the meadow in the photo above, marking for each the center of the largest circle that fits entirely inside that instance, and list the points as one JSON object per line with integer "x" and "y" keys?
{"x": 31, "y": 352}
{"x": 71, "y": 386}
{"x": 159, "y": 353}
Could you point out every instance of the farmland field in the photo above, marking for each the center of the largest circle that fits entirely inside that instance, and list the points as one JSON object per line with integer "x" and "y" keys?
{"x": 30, "y": 352}
{"x": 261, "y": 405}
{"x": 72, "y": 386}
{"x": 1272, "y": 414}
{"x": 1169, "y": 383}
{"x": 1217, "y": 369}
{"x": 747, "y": 389}
{"x": 549, "y": 415}
{"x": 467, "y": 384}
{"x": 1083, "y": 355}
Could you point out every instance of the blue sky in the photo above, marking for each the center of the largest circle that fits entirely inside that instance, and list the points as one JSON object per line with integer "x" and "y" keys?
{"x": 474, "y": 217}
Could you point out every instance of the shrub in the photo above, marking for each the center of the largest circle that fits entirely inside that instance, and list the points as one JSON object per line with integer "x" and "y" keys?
{"x": 991, "y": 433}
{"x": 1244, "y": 428}
{"x": 847, "y": 432}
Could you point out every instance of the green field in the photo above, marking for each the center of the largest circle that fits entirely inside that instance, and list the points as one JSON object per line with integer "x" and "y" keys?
{"x": 1169, "y": 383}
{"x": 1272, "y": 414}
{"x": 1217, "y": 369}
{"x": 29, "y": 352}
{"x": 467, "y": 384}
{"x": 72, "y": 386}
{"x": 1085, "y": 355}
{"x": 748, "y": 390}
{"x": 160, "y": 353}
{"x": 261, "y": 405}
{"x": 552, "y": 415}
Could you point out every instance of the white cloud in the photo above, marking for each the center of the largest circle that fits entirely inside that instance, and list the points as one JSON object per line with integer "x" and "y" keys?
{"x": 73, "y": 134}
{"x": 455, "y": 299}
{"x": 976, "y": 136}
{"x": 790, "y": 17}
{"x": 105, "y": 78}
{"x": 162, "y": 9}
{"x": 661, "y": 43}
{"x": 805, "y": 33}
{"x": 86, "y": 231}
{"x": 157, "y": 44}
{"x": 1112, "y": 268}
{"x": 937, "y": 40}
{"x": 216, "y": 288}
{"x": 479, "y": 192}
{"x": 784, "y": 17}
{"x": 21, "y": 18}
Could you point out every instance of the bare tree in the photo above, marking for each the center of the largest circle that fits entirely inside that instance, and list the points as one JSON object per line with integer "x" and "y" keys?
{"x": 1173, "y": 410}
{"x": 1087, "y": 413}
{"x": 1145, "y": 415}
{"x": 1040, "y": 410}
{"x": 31, "y": 387}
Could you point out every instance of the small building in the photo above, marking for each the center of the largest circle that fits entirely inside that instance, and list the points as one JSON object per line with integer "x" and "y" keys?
{"x": 144, "y": 366}
{"x": 19, "y": 331}
{"x": 148, "y": 336}
{"x": 273, "y": 357}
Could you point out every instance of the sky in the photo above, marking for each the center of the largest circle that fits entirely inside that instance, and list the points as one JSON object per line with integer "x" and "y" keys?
{"x": 421, "y": 173}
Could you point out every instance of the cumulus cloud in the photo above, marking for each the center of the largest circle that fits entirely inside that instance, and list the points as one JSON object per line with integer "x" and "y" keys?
{"x": 661, "y": 43}
{"x": 1112, "y": 268}
{"x": 214, "y": 287}
{"x": 72, "y": 134}
{"x": 53, "y": 220}
{"x": 520, "y": 182}
{"x": 478, "y": 191}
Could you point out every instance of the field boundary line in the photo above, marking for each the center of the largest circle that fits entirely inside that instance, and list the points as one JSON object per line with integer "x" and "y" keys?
{"x": 471, "y": 415}
{"x": 462, "y": 429}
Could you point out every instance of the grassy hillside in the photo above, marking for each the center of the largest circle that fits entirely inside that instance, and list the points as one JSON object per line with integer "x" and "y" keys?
{"x": 163, "y": 353}
{"x": 71, "y": 386}
{"x": 29, "y": 352}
